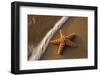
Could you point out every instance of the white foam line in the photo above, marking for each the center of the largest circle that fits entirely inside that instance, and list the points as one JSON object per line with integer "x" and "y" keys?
{"x": 40, "y": 49}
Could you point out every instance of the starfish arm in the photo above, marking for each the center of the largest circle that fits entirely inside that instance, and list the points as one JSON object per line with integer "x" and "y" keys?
{"x": 71, "y": 36}
{"x": 61, "y": 46}
{"x": 61, "y": 34}
{"x": 57, "y": 41}
{"x": 70, "y": 43}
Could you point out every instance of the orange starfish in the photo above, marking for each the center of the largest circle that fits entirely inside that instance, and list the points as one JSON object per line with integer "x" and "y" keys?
{"x": 64, "y": 40}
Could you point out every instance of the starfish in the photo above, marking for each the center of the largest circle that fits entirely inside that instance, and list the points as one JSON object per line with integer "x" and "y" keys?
{"x": 64, "y": 40}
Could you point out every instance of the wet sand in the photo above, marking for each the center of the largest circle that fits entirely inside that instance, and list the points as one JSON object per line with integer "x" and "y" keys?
{"x": 38, "y": 26}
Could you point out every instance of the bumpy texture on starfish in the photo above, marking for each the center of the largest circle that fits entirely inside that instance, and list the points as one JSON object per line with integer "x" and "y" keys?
{"x": 64, "y": 40}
